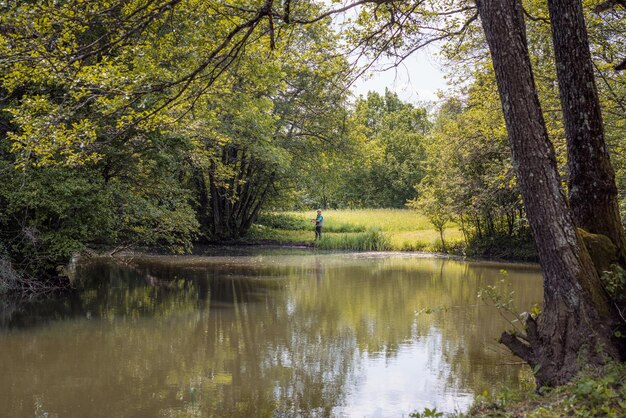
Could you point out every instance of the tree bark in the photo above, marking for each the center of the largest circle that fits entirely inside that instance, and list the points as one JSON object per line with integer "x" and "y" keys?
{"x": 591, "y": 183}
{"x": 576, "y": 324}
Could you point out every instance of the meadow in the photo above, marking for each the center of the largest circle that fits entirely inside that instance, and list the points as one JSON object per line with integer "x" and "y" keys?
{"x": 359, "y": 229}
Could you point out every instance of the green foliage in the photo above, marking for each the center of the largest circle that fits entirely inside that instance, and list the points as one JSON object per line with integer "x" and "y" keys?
{"x": 427, "y": 413}
{"x": 434, "y": 203}
{"x": 371, "y": 240}
{"x": 54, "y": 212}
{"x": 140, "y": 126}
{"x": 469, "y": 174}
{"x": 502, "y": 298}
{"x": 379, "y": 161}
{"x": 614, "y": 281}
{"x": 151, "y": 124}
{"x": 468, "y": 157}
{"x": 594, "y": 392}
{"x": 50, "y": 213}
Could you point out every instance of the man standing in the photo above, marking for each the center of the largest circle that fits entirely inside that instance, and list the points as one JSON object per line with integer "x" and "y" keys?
{"x": 319, "y": 221}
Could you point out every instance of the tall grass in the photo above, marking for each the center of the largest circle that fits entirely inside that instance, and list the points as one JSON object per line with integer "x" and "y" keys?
{"x": 404, "y": 230}
{"x": 301, "y": 221}
{"x": 389, "y": 220}
{"x": 371, "y": 240}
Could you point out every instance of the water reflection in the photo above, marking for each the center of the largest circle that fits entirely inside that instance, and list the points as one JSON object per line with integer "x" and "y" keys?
{"x": 261, "y": 335}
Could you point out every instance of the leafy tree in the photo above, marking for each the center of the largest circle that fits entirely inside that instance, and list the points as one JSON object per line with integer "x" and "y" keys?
{"x": 89, "y": 84}
{"x": 435, "y": 203}
{"x": 170, "y": 117}
{"x": 383, "y": 154}
{"x": 575, "y": 307}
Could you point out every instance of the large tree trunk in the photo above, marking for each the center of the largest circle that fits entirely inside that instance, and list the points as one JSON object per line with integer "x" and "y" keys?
{"x": 592, "y": 189}
{"x": 576, "y": 324}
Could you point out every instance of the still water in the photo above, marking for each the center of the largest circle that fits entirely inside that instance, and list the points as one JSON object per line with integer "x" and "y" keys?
{"x": 262, "y": 334}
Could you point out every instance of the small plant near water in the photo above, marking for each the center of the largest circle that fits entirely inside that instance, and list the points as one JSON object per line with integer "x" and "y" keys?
{"x": 427, "y": 413}
{"x": 372, "y": 240}
{"x": 413, "y": 246}
{"x": 594, "y": 392}
{"x": 502, "y": 298}
{"x": 614, "y": 281}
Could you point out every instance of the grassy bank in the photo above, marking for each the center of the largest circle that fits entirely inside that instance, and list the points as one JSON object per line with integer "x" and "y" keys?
{"x": 598, "y": 392}
{"x": 363, "y": 229}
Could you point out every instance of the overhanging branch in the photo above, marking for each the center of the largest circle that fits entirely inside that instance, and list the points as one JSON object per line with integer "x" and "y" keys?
{"x": 609, "y": 4}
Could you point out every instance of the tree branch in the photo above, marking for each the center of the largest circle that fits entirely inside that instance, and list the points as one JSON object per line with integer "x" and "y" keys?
{"x": 340, "y": 10}
{"x": 517, "y": 347}
{"x": 609, "y": 4}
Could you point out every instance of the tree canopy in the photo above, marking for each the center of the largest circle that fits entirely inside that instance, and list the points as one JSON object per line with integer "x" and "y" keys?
{"x": 167, "y": 122}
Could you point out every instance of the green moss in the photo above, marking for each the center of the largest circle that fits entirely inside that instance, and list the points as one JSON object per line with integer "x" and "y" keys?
{"x": 602, "y": 251}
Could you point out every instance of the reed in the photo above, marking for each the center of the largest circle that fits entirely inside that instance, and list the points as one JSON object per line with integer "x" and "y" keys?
{"x": 370, "y": 240}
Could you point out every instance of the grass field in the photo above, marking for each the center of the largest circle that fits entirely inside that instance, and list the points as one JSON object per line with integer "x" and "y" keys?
{"x": 382, "y": 229}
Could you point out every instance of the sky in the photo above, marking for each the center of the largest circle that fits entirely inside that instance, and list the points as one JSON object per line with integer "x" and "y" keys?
{"x": 416, "y": 80}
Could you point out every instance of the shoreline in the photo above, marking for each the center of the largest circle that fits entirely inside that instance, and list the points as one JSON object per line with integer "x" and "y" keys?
{"x": 205, "y": 249}
{"x": 62, "y": 280}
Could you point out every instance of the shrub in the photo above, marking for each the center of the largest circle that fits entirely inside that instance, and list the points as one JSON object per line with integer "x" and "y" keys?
{"x": 414, "y": 246}
{"x": 614, "y": 281}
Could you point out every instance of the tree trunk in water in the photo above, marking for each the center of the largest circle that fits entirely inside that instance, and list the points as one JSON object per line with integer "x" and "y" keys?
{"x": 576, "y": 325}
{"x": 592, "y": 189}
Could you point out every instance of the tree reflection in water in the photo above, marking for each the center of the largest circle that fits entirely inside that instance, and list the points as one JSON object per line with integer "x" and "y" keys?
{"x": 260, "y": 336}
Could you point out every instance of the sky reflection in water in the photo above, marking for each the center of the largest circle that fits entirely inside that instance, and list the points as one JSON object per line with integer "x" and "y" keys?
{"x": 262, "y": 335}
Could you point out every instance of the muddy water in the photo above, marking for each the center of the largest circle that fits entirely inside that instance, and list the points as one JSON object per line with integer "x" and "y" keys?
{"x": 262, "y": 335}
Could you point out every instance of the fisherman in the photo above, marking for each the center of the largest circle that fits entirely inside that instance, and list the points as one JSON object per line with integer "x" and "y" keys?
{"x": 319, "y": 221}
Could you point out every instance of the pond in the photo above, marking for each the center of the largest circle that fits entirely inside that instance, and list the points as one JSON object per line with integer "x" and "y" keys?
{"x": 263, "y": 334}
